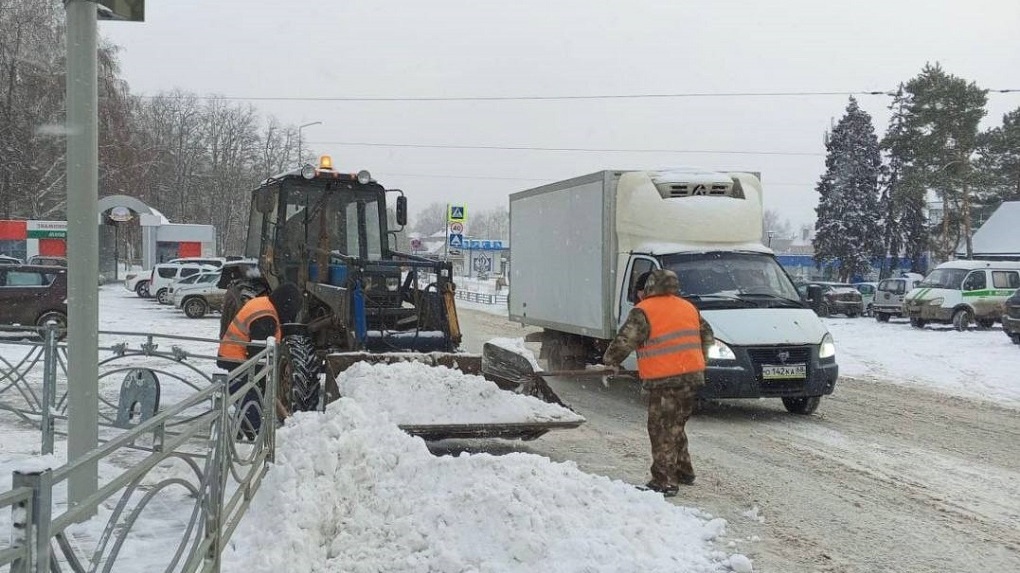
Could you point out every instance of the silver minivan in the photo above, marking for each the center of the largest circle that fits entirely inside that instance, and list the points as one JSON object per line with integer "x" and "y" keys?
{"x": 889, "y": 295}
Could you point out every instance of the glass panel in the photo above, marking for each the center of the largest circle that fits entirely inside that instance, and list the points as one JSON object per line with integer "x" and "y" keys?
{"x": 730, "y": 273}
{"x": 975, "y": 281}
{"x": 944, "y": 278}
{"x": 21, "y": 278}
{"x": 167, "y": 272}
{"x": 1005, "y": 279}
{"x": 638, "y": 268}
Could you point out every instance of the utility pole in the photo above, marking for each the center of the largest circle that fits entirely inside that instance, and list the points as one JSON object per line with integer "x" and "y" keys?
{"x": 82, "y": 246}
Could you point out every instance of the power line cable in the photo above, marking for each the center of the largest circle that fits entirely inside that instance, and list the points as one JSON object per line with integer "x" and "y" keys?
{"x": 544, "y": 98}
{"x": 566, "y": 149}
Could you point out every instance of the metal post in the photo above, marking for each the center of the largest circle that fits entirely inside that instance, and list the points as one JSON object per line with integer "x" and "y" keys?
{"x": 218, "y": 469}
{"x": 49, "y": 396}
{"x": 269, "y": 407}
{"x": 83, "y": 246}
{"x": 38, "y": 528}
{"x": 299, "y": 140}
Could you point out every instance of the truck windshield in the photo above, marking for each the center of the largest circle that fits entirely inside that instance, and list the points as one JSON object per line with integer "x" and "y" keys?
{"x": 730, "y": 274}
{"x": 944, "y": 278}
{"x": 316, "y": 220}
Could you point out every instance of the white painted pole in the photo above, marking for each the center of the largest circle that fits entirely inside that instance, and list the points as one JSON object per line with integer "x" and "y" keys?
{"x": 82, "y": 245}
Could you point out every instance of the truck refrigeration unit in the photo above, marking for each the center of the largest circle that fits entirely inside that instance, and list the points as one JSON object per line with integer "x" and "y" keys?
{"x": 579, "y": 245}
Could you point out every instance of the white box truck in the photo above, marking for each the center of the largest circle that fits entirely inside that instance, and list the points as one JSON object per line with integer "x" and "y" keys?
{"x": 578, "y": 246}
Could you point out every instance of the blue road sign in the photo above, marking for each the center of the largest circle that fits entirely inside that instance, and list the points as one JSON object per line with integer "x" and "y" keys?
{"x": 457, "y": 241}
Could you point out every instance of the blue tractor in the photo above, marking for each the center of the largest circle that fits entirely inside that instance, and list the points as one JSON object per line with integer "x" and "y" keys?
{"x": 329, "y": 232}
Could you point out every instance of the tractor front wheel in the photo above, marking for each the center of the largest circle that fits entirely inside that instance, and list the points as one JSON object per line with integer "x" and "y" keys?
{"x": 299, "y": 374}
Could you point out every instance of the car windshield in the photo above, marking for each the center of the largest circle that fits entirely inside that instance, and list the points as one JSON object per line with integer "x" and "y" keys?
{"x": 944, "y": 278}
{"x": 731, "y": 274}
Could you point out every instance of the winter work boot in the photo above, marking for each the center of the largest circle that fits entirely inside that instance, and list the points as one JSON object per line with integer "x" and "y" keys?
{"x": 665, "y": 490}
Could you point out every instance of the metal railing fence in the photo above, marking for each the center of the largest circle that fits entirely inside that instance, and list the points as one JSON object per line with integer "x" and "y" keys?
{"x": 200, "y": 440}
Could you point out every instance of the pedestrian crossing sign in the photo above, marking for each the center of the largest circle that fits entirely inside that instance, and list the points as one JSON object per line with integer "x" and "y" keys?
{"x": 457, "y": 213}
{"x": 456, "y": 241}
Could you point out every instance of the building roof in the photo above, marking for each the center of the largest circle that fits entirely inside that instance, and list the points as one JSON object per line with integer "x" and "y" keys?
{"x": 998, "y": 236}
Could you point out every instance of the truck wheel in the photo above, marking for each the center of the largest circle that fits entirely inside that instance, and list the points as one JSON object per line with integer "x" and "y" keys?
{"x": 986, "y": 322}
{"x": 881, "y": 317}
{"x": 823, "y": 310}
{"x": 142, "y": 289}
{"x": 195, "y": 307}
{"x": 299, "y": 374}
{"x": 918, "y": 322}
{"x": 804, "y": 406}
{"x": 962, "y": 319}
{"x": 1015, "y": 337}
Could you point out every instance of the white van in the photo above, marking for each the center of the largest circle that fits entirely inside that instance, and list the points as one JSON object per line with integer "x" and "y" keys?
{"x": 963, "y": 292}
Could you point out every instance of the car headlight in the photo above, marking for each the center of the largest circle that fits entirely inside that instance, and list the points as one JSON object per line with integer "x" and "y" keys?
{"x": 937, "y": 301}
{"x": 827, "y": 349}
{"x": 719, "y": 351}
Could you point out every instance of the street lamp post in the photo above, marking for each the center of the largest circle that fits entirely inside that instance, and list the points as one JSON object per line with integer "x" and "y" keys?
{"x": 299, "y": 147}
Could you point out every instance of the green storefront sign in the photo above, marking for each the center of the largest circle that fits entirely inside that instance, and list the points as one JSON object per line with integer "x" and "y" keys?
{"x": 47, "y": 234}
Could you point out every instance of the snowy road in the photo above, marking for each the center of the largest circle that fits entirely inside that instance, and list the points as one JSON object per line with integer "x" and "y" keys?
{"x": 884, "y": 478}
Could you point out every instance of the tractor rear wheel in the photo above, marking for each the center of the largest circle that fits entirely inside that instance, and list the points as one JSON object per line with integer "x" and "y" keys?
{"x": 299, "y": 374}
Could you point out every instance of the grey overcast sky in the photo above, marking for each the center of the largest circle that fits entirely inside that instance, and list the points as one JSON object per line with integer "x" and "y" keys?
{"x": 464, "y": 48}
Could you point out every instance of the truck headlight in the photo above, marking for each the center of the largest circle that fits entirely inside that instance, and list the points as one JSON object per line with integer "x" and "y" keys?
{"x": 367, "y": 283}
{"x": 392, "y": 283}
{"x": 827, "y": 349}
{"x": 937, "y": 301}
{"x": 719, "y": 351}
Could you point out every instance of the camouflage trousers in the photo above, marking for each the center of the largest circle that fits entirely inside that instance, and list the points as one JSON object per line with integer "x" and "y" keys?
{"x": 668, "y": 411}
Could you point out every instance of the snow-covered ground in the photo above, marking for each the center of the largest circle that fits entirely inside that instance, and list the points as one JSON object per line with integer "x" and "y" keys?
{"x": 350, "y": 492}
{"x": 980, "y": 364}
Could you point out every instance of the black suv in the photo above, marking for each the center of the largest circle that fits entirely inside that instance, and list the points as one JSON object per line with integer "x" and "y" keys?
{"x": 1011, "y": 318}
{"x": 32, "y": 295}
{"x": 837, "y": 298}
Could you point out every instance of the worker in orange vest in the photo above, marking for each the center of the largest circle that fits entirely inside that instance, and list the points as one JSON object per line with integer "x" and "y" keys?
{"x": 258, "y": 319}
{"x": 672, "y": 342}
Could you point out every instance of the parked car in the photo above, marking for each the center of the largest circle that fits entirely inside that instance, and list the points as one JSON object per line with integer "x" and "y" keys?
{"x": 208, "y": 261}
{"x": 32, "y": 295}
{"x": 138, "y": 283}
{"x": 164, "y": 275}
{"x": 197, "y": 297}
{"x": 6, "y": 260}
{"x": 837, "y": 298}
{"x": 890, "y": 295}
{"x": 48, "y": 261}
{"x": 1011, "y": 318}
{"x": 867, "y": 291}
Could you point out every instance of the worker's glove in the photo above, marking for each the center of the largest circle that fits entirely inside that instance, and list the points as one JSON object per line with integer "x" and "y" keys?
{"x": 609, "y": 371}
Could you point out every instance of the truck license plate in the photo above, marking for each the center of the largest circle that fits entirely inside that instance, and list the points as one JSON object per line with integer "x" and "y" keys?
{"x": 783, "y": 372}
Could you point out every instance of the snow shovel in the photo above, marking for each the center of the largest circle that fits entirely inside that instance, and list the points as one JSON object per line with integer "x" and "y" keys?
{"x": 507, "y": 364}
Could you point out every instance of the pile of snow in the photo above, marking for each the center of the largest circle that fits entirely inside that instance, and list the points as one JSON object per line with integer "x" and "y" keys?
{"x": 351, "y": 493}
{"x": 412, "y": 394}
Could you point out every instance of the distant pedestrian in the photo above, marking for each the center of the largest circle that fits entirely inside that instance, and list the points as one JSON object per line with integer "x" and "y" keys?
{"x": 500, "y": 283}
{"x": 672, "y": 342}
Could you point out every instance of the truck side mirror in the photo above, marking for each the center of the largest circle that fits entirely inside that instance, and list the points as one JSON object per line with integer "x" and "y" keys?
{"x": 401, "y": 210}
{"x": 814, "y": 294}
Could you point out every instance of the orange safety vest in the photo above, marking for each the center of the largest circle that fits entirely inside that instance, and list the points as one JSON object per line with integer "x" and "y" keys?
{"x": 674, "y": 343}
{"x": 234, "y": 344}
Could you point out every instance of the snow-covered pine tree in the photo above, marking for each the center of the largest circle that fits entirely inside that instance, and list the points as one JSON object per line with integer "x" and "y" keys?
{"x": 902, "y": 202}
{"x": 847, "y": 229}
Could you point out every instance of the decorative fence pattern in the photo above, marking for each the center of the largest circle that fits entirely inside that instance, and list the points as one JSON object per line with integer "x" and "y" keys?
{"x": 194, "y": 451}
{"x": 481, "y": 297}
